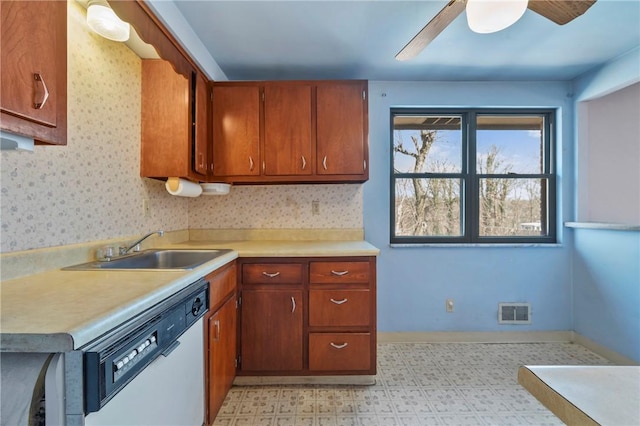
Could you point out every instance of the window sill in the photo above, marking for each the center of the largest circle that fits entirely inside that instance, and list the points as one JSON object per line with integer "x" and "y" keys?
{"x": 474, "y": 245}
{"x": 603, "y": 225}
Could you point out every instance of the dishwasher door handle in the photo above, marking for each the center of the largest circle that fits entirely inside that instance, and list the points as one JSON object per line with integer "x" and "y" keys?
{"x": 172, "y": 347}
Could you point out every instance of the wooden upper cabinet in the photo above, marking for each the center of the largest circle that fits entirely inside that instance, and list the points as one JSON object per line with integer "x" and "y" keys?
{"x": 33, "y": 46}
{"x": 341, "y": 128}
{"x": 236, "y": 130}
{"x": 290, "y": 131}
{"x": 170, "y": 141}
{"x": 287, "y": 130}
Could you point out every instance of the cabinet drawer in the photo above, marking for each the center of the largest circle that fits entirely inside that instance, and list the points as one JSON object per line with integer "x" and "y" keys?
{"x": 339, "y": 272}
{"x": 339, "y": 351}
{"x": 222, "y": 283}
{"x": 272, "y": 273}
{"x": 339, "y": 307}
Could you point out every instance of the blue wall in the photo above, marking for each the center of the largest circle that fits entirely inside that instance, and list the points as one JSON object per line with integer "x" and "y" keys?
{"x": 413, "y": 283}
{"x": 607, "y": 289}
{"x": 606, "y": 272}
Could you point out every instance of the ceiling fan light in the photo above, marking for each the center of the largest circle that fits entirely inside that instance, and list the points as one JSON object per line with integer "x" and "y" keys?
{"x": 103, "y": 21}
{"x": 490, "y": 16}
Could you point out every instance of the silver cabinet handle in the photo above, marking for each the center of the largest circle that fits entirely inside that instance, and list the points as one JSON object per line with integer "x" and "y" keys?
{"x": 293, "y": 304}
{"x": 304, "y": 163}
{"x": 339, "y": 273}
{"x": 324, "y": 162}
{"x": 273, "y": 275}
{"x": 339, "y": 302}
{"x": 250, "y": 163}
{"x": 216, "y": 325}
{"x": 42, "y": 93}
{"x": 339, "y": 345}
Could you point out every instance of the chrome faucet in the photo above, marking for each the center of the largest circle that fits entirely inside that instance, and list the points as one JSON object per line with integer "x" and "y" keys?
{"x": 125, "y": 250}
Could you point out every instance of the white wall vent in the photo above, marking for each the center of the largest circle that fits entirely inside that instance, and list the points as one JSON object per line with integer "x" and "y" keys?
{"x": 514, "y": 313}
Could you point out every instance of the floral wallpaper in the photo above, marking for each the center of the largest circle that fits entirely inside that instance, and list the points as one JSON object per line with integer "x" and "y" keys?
{"x": 280, "y": 206}
{"x": 91, "y": 189}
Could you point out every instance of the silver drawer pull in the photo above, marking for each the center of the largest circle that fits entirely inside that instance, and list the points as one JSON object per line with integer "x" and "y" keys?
{"x": 304, "y": 163}
{"x": 250, "y": 163}
{"x": 339, "y": 302}
{"x": 273, "y": 275}
{"x": 293, "y": 304}
{"x": 339, "y": 273}
{"x": 339, "y": 346}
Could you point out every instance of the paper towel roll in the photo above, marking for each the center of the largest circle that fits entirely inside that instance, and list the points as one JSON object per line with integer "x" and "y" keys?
{"x": 183, "y": 187}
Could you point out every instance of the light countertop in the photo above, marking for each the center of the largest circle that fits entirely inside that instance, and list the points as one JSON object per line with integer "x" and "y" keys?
{"x": 59, "y": 311}
{"x": 586, "y": 395}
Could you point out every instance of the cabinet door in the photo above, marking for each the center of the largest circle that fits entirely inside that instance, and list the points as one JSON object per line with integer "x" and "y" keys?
{"x": 271, "y": 337}
{"x": 166, "y": 126}
{"x": 222, "y": 355}
{"x": 201, "y": 125}
{"x": 287, "y": 130}
{"x": 34, "y": 69}
{"x": 236, "y": 130}
{"x": 341, "y": 128}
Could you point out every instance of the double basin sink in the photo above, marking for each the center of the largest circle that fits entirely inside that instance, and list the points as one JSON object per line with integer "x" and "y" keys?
{"x": 161, "y": 259}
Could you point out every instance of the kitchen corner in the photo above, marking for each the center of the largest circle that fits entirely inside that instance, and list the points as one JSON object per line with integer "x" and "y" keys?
{"x": 67, "y": 313}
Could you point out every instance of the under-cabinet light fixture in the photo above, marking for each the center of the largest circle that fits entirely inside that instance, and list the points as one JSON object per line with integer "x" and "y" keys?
{"x": 12, "y": 142}
{"x": 490, "y": 16}
{"x": 104, "y": 21}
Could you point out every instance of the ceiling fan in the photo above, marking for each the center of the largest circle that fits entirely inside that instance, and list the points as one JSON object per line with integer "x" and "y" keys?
{"x": 480, "y": 11}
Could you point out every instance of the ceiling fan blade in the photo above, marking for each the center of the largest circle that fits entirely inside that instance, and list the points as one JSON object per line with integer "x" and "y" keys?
{"x": 560, "y": 11}
{"x": 431, "y": 30}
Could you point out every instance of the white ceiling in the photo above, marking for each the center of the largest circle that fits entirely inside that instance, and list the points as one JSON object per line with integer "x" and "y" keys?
{"x": 272, "y": 40}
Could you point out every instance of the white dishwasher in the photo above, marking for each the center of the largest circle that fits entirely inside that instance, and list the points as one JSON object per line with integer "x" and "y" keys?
{"x": 170, "y": 391}
{"x": 149, "y": 371}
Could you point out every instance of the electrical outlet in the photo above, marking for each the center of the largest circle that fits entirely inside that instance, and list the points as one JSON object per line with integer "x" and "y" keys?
{"x": 145, "y": 208}
{"x": 449, "y": 305}
{"x": 315, "y": 207}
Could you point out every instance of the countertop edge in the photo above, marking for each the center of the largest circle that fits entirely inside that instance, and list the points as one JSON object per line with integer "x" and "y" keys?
{"x": 40, "y": 342}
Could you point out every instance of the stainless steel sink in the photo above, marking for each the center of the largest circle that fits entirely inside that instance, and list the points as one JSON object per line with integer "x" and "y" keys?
{"x": 153, "y": 260}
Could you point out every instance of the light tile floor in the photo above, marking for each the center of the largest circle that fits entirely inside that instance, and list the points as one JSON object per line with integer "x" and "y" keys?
{"x": 417, "y": 384}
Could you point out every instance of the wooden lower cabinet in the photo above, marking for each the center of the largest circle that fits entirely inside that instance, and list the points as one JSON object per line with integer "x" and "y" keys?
{"x": 220, "y": 338}
{"x": 307, "y": 316}
{"x": 272, "y": 337}
{"x": 339, "y": 351}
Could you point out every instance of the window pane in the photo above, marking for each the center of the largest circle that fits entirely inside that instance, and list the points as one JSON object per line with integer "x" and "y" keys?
{"x": 509, "y": 144}
{"x": 427, "y": 144}
{"x": 427, "y": 207}
{"x": 512, "y": 207}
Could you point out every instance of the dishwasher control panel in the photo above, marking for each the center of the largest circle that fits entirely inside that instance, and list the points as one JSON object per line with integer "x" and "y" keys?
{"x": 114, "y": 360}
{"x": 134, "y": 355}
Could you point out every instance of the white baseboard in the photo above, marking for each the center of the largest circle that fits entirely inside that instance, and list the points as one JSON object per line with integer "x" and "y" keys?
{"x": 476, "y": 336}
{"x": 607, "y": 353}
{"x": 304, "y": 380}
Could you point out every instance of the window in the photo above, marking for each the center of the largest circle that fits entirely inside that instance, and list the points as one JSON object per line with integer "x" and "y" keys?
{"x": 472, "y": 176}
